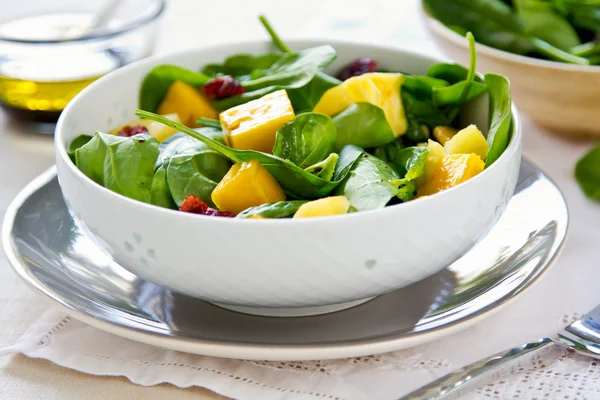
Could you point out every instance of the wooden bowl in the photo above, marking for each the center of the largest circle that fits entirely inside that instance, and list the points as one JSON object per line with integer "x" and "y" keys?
{"x": 564, "y": 98}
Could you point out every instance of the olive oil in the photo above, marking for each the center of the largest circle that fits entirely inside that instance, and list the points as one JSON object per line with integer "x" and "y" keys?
{"x": 30, "y": 95}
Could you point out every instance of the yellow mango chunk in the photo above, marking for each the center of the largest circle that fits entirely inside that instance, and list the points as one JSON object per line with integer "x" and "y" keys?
{"x": 334, "y": 205}
{"x": 444, "y": 133}
{"x": 252, "y": 126}
{"x": 188, "y": 103}
{"x": 468, "y": 140}
{"x": 453, "y": 170}
{"x": 247, "y": 184}
{"x": 434, "y": 157}
{"x": 378, "y": 88}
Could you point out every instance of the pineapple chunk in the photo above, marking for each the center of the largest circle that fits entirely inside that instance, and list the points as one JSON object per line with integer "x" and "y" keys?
{"x": 435, "y": 156}
{"x": 334, "y": 205}
{"x": 444, "y": 133}
{"x": 453, "y": 170}
{"x": 380, "y": 89}
{"x": 247, "y": 184}
{"x": 187, "y": 102}
{"x": 468, "y": 140}
{"x": 162, "y": 132}
{"x": 253, "y": 125}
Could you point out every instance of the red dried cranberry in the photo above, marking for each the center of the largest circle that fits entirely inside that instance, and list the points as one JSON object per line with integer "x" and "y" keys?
{"x": 129, "y": 130}
{"x": 221, "y": 87}
{"x": 194, "y": 205}
{"x": 358, "y": 67}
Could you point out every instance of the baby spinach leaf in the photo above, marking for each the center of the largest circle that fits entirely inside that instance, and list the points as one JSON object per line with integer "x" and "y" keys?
{"x": 500, "y": 116}
{"x": 157, "y": 82}
{"x": 410, "y": 162}
{"x": 77, "y": 143}
{"x": 449, "y": 72}
{"x": 122, "y": 164}
{"x": 160, "y": 194}
{"x": 389, "y": 152}
{"x": 406, "y": 191}
{"x": 451, "y": 95}
{"x": 363, "y": 125}
{"x": 326, "y": 168}
{"x": 371, "y": 184}
{"x": 492, "y": 22}
{"x": 196, "y": 169}
{"x": 587, "y": 173}
{"x": 280, "y": 209}
{"x": 243, "y": 66}
{"x": 306, "y": 140}
{"x": 293, "y": 179}
{"x": 541, "y": 20}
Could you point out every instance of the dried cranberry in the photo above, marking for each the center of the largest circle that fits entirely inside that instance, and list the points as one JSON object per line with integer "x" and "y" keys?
{"x": 194, "y": 205}
{"x": 129, "y": 130}
{"x": 358, "y": 67}
{"x": 221, "y": 87}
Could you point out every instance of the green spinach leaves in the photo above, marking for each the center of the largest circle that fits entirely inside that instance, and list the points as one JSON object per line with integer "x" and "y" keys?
{"x": 587, "y": 173}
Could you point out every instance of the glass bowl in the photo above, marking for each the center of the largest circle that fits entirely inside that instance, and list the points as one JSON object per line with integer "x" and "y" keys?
{"x": 51, "y": 50}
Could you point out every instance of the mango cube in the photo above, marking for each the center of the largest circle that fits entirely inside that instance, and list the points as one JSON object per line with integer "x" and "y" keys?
{"x": 468, "y": 140}
{"x": 187, "y": 102}
{"x": 253, "y": 125}
{"x": 434, "y": 157}
{"x": 247, "y": 184}
{"x": 453, "y": 170}
{"x": 378, "y": 88}
{"x": 334, "y": 205}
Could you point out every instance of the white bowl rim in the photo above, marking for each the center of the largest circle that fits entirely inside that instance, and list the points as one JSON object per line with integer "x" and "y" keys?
{"x": 454, "y": 37}
{"x": 61, "y": 150}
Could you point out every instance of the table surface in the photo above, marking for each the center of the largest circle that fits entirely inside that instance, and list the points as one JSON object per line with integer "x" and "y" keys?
{"x": 24, "y": 155}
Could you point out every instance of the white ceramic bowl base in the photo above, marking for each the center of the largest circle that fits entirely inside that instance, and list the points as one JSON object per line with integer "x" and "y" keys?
{"x": 279, "y": 267}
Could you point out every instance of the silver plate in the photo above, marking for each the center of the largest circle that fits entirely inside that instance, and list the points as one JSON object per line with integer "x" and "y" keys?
{"x": 52, "y": 254}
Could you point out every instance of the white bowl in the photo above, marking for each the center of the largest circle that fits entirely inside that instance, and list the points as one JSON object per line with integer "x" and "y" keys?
{"x": 559, "y": 96}
{"x": 279, "y": 267}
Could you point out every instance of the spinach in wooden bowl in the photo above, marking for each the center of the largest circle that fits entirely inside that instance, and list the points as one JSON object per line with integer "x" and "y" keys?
{"x": 273, "y": 135}
{"x": 558, "y": 30}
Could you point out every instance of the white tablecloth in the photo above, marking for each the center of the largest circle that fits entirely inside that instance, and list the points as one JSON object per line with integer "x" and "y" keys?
{"x": 567, "y": 290}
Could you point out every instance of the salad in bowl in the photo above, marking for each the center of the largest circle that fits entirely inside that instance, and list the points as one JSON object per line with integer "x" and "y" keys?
{"x": 273, "y": 135}
{"x": 206, "y": 164}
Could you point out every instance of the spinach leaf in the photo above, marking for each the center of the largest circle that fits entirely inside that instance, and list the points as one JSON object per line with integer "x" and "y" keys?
{"x": 306, "y": 140}
{"x": 587, "y": 173}
{"x": 363, "y": 125}
{"x": 451, "y": 95}
{"x": 326, "y": 168}
{"x": 293, "y": 179}
{"x": 160, "y": 194}
{"x": 291, "y": 71}
{"x": 500, "y": 116}
{"x": 77, "y": 143}
{"x": 492, "y": 22}
{"x": 124, "y": 165}
{"x": 280, "y": 209}
{"x": 389, "y": 152}
{"x": 157, "y": 82}
{"x": 542, "y": 21}
{"x": 243, "y": 66}
{"x": 371, "y": 184}
{"x": 167, "y": 148}
{"x": 196, "y": 169}
{"x": 410, "y": 162}
{"x": 449, "y": 72}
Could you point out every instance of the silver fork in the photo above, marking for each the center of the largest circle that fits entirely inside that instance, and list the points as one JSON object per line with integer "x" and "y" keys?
{"x": 582, "y": 336}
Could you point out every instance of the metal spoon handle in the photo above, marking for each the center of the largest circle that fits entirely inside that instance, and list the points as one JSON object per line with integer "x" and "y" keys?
{"x": 457, "y": 383}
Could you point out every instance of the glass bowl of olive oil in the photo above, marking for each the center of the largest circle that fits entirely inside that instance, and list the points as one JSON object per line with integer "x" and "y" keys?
{"x": 51, "y": 50}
